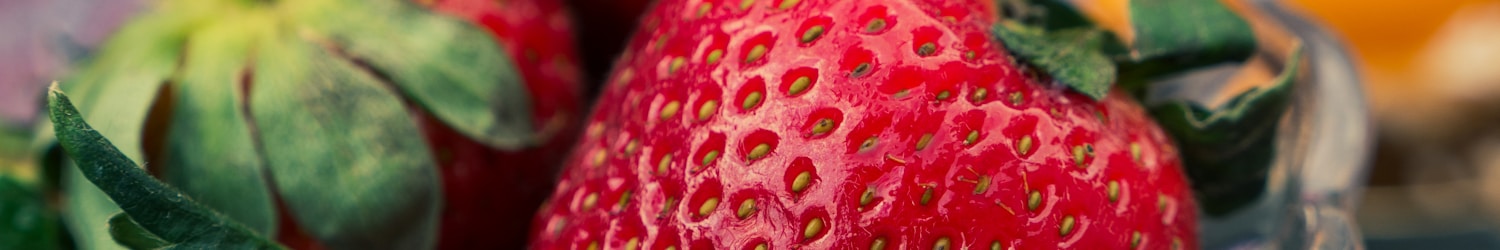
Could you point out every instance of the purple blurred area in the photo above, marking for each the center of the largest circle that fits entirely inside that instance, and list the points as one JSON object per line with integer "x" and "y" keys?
{"x": 40, "y": 40}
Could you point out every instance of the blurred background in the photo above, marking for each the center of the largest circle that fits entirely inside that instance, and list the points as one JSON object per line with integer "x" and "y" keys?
{"x": 39, "y": 41}
{"x": 42, "y": 38}
{"x": 1431, "y": 71}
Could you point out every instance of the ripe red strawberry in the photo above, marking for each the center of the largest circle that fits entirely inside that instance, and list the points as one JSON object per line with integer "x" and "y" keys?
{"x": 895, "y": 124}
{"x": 485, "y": 188}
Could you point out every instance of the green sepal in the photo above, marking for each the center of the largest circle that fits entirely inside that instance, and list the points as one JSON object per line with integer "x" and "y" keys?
{"x": 118, "y": 88}
{"x": 209, "y": 152}
{"x": 452, "y": 68}
{"x": 130, "y": 234}
{"x": 1074, "y": 56}
{"x": 1228, "y": 151}
{"x": 345, "y": 154}
{"x": 88, "y": 209}
{"x": 1175, "y": 35}
{"x": 1170, "y": 36}
{"x": 120, "y": 85}
{"x": 163, "y": 211}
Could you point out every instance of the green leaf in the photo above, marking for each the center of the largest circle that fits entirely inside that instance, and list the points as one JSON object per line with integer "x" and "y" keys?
{"x": 25, "y": 222}
{"x": 88, "y": 209}
{"x": 130, "y": 234}
{"x": 1228, "y": 151}
{"x": 161, "y": 210}
{"x": 118, "y": 88}
{"x": 346, "y": 157}
{"x": 453, "y": 69}
{"x": 1071, "y": 56}
{"x": 1189, "y": 33}
{"x": 209, "y": 152}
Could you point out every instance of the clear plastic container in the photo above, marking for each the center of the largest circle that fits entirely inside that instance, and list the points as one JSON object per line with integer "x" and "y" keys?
{"x": 1323, "y": 150}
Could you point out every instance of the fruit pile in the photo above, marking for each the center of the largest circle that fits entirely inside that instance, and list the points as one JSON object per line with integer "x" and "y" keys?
{"x": 890, "y": 124}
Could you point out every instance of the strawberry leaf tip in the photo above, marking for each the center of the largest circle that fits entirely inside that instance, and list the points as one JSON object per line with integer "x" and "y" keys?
{"x": 1228, "y": 150}
{"x": 169, "y": 215}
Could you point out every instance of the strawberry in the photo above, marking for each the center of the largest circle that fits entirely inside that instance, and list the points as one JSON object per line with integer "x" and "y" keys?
{"x": 336, "y": 123}
{"x": 890, "y": 124}
{"x": 486, "y": 187}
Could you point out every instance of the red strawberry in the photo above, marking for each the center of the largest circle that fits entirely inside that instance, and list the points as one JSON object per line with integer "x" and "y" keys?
{"x": 485, "y": 188}
{"x": 823, "y": 124}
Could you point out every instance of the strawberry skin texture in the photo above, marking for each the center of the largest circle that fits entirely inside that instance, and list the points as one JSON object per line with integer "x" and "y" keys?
{"x": 486, "y": 188}
{"x": 902, "y": 125}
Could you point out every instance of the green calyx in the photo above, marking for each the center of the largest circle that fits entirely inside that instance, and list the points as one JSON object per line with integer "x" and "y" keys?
{"x": 1171, "y": 36}
{"x": 235, "y": 102}
{"x": 158, "y": 215}
{"x": 1070, "y": 56}
{"x": 1227, "y": 151}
